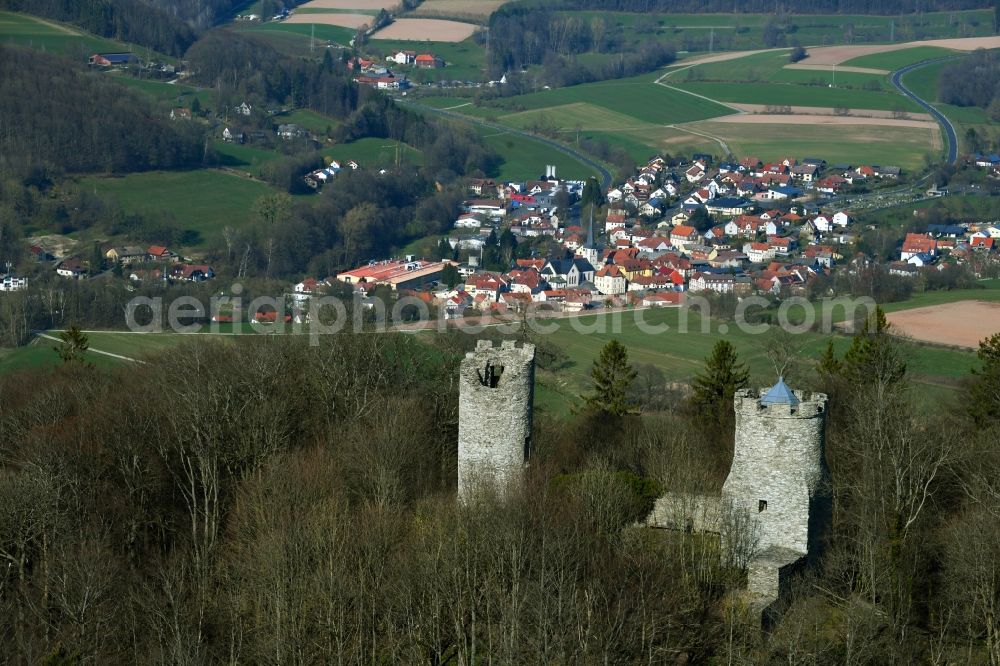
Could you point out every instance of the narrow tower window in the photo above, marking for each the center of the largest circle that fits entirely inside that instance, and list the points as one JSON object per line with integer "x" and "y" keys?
{"x": 761, "y": 506}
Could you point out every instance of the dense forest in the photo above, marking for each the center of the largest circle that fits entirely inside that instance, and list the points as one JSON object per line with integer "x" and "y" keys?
{"x": 520, "y": 37}
{"x": 268, "y": 501}
{"x": 55, "y": 114}
{"x": 973, "y": 81}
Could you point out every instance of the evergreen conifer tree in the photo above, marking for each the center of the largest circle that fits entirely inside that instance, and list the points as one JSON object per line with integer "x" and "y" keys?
{"x": 874, "y": 357}
{"x": 612, "y": 375}
{"x": 714, "y": 388}
{"x": 73, "y": 344}
{"x": 983, "y": 401}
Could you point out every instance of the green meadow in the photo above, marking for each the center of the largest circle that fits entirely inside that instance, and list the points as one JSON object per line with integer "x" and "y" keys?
{"x": 66, "y": 40}
{"x": 894, "y": 60}
{"x": 297, "y": 37}
{"x": 203, "y": 200}
{"x": 679, "y": 351}
{"x": 796, "y": 95}
{"x": 373, "y": 152}
{"x": 852, "y": 144}
{"x": 637, "y": 97}
{"x": 243, "y": 157}
{"x": 525, "y": 158}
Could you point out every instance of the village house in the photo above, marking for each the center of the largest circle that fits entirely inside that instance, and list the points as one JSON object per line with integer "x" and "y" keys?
{"x": 681, "y": 236}
{"x": 126, "y": 255}
{"x": 917, "y": 244}
{"x": 71, "y": 267}
{"x": 10, "y": 282}
{"x": 611, "y": 281}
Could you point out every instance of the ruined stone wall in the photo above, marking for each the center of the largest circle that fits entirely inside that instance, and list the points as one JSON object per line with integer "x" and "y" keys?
{"x": 769, "y": 575}
{"x": 778, "y": 475}
{"x": 496, "y": 392}
{"x": 686, "y": 512}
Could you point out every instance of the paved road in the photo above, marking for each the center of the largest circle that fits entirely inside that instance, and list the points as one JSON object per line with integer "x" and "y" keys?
{"x": 949, "y": 129}
{"x": 555, "y": 145}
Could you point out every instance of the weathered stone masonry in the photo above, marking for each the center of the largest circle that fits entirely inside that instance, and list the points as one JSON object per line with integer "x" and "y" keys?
{"x": 496, "y": 394}
{"x": 778, "y": 481}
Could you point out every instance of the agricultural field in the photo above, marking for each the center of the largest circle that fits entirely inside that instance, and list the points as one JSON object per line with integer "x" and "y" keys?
{"x": 894, "y": 60}
{"x": 473, "y": 10}
{"x": 874, "y": 144}
{"x": 204, "y": 200}
{"x": 636, "y": 97}
{"x": 772, "y": 67}
{"x": 346, "y": 5}
{"x": 340, "y": 19}
{"x": 680, "y": 355}
{"x": 794, "y": 95}
{"x": 426, "y": 30}
{"x": 962, "y": 323}
{"x": 69, "y": 41}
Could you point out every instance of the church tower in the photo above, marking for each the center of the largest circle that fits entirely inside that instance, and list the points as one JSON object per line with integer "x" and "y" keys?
{"x": 496, "y": 391}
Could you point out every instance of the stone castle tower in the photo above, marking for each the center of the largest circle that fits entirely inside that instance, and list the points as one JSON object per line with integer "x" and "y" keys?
{"x": 496, "y": 392}
{"x": 779, "y": 476}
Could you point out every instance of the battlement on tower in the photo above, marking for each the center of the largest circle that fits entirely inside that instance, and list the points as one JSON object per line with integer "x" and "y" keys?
{"x": 496, "y": 395}
{"x": 802, "y": 405}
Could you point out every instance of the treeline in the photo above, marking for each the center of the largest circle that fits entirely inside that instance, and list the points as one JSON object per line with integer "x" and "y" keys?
{"x": 879, "y": 7}
{"x": 56, "y": 114}
{"x": 268, "y": 500}
{"x": 973, "y": 81}
{"x": 156, "y": 26}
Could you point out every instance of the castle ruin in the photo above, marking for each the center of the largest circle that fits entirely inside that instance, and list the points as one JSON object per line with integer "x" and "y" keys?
{"x": 776, "y": 498}
{"x": 496, "y": 392}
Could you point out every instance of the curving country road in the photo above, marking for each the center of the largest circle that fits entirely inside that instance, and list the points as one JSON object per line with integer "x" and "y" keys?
{"x": 949, "y": 129}
{"x": 555, "y": 145}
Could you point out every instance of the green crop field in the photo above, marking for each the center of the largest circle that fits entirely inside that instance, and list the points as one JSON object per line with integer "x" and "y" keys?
{"x": 680, "y": 355}
{"x": 894, "y": 60}
{"x": 793, "y": 95}
{"x": 70, "y": 41}
{"x": 372, "y": 152}
{"x": 636, "y": 97}
{"x": 852, "y": 144}
{"x": 525, "y": 158}
{"x": 770, "y": 67}
{"x": 203, "y": 200}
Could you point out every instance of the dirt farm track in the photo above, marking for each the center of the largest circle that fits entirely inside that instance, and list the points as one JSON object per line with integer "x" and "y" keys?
{"x": 963, "y": 323}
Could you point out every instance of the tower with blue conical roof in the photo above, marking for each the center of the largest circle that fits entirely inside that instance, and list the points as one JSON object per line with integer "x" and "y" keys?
{"x": 779, "y": 477}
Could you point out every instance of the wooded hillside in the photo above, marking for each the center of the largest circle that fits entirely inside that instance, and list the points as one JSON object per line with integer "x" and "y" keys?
{"x": 56, "y": 113}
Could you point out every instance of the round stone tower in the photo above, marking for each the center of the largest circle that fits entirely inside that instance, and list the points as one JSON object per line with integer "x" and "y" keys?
{"x": 779, "y": 475}
{"x": 496, "y": 391}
